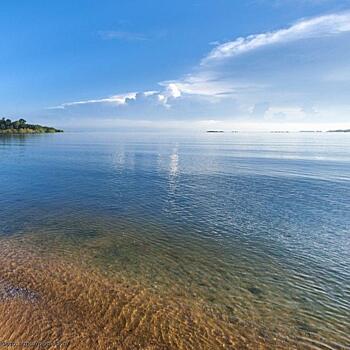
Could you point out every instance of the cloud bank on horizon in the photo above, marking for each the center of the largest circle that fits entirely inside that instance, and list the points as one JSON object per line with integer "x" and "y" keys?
{"x": 297, "y": 75}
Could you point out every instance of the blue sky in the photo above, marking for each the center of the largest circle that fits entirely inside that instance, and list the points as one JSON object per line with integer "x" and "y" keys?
{"x": 250, "y": 65}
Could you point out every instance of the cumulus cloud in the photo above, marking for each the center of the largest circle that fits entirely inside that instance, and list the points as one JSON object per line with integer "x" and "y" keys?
{"x": 201, "y": 83}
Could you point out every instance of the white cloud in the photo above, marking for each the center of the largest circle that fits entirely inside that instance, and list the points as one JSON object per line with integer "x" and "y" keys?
{"x": 208, "y": 80}
{"x": 174, "y": 90}
{"x": 201, "y": 83}
{"x": 118, "y": 100}
{"x": 275, "y": 90}
{"x": 305, "y": 29}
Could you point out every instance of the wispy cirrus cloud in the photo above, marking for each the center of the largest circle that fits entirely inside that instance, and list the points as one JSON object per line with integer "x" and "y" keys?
{"x": 305, "y": 29}
{"x": 122, "y": 35}
{"x": 118, "y": 100}
{"x": 209, "y": 79}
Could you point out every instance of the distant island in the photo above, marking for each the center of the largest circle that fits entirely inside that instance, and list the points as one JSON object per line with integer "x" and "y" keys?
{"x": 7, "y": 126}
{"x": 311, "y": 131}
{"x": 221, "y": 131}
{"x": 340, "y": 130}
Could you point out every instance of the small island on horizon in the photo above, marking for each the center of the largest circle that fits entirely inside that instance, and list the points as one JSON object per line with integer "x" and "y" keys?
{"x": 9, "y": 127}
{"x": 340, "y": 130}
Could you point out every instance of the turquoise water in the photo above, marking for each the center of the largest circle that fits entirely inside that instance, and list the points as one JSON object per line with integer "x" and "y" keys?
{"x": 253, "y": 227}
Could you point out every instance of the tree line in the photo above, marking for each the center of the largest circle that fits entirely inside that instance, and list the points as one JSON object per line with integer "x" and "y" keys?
{"x": 20, "y": 126}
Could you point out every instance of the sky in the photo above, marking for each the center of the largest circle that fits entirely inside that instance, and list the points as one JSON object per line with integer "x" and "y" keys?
{"x": 185, "y": 64}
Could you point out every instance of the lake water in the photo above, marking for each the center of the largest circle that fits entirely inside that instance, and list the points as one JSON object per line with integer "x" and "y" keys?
{"x": 194, "y": 241}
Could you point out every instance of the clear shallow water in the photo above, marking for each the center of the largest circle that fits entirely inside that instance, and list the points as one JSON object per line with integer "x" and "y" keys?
{"x": 224, "y": 241}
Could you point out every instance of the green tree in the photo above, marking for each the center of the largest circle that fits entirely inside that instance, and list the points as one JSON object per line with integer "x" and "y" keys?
{"x": 8, "y": 123}
{"x": 22, "y": 122}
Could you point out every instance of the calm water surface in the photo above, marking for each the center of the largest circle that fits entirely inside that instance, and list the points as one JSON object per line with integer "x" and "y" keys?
{"x": 152, "y": 241}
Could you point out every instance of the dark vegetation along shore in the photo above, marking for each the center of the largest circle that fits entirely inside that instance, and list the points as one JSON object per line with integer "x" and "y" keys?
{"x": 340, "y": 130}
{"x": 7, "y": 126}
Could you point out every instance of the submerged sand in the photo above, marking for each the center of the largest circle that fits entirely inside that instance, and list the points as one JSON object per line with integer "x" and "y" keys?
{"x": 50, "y": 302}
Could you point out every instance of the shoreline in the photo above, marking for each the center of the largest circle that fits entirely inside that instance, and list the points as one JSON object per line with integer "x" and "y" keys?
{"x": 29, "y": 132}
